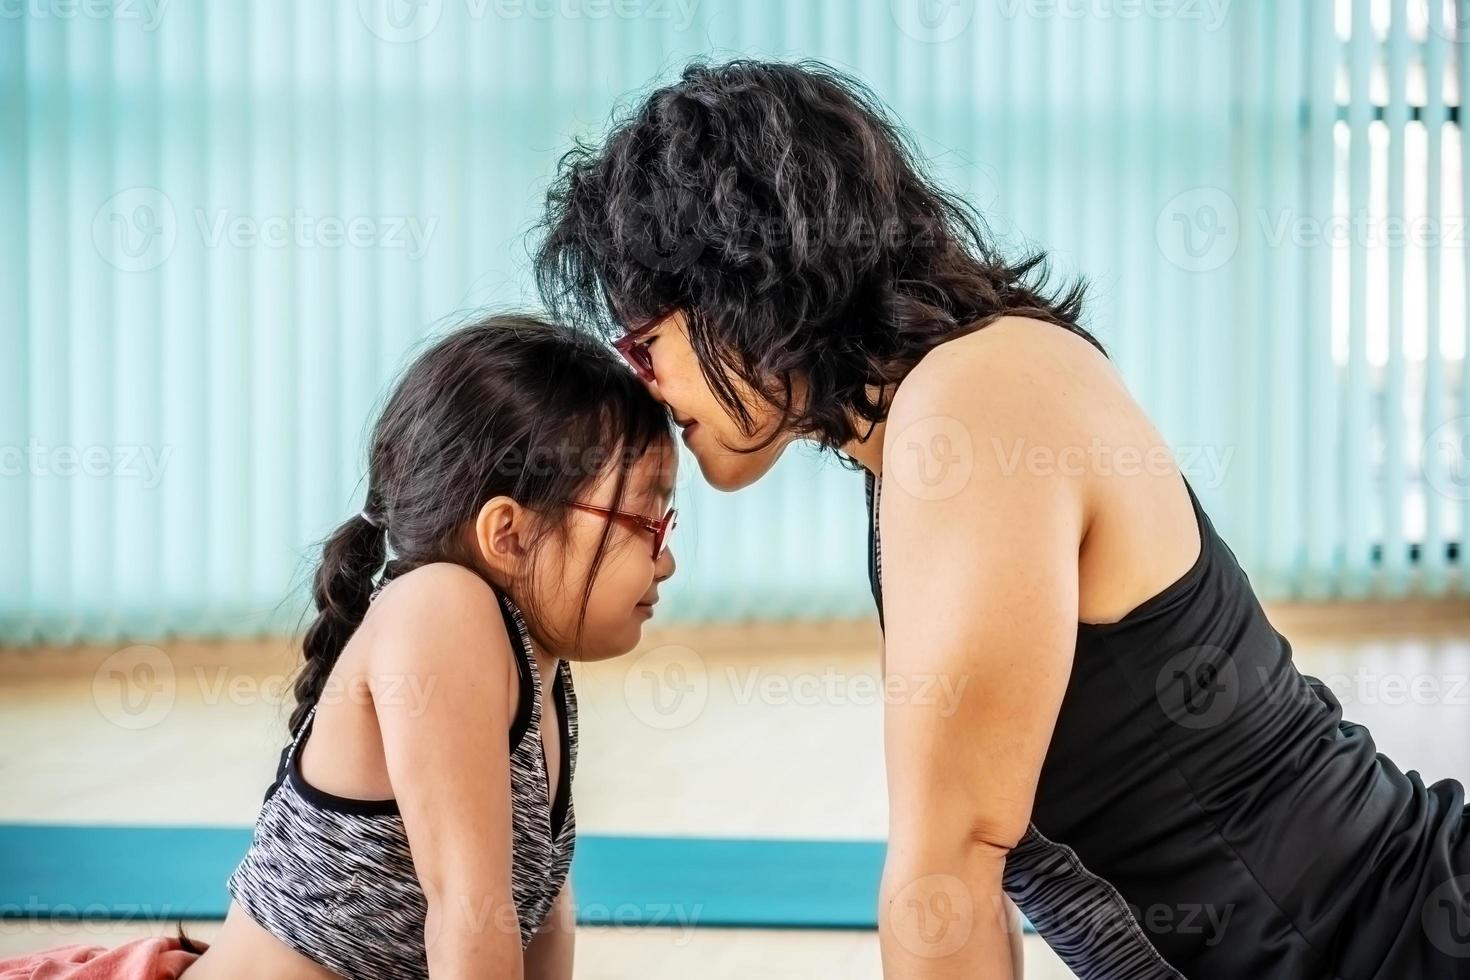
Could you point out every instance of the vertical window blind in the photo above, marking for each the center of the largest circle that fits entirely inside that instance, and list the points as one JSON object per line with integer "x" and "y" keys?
{"x": 229, "y": 225}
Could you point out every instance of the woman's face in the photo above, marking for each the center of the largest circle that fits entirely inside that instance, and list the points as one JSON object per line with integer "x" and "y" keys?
{"x": 709, "y": 430}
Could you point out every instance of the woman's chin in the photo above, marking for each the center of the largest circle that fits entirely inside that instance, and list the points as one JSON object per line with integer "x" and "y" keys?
{"x": 722, "y": 479}
{"x": 729, "y": 471}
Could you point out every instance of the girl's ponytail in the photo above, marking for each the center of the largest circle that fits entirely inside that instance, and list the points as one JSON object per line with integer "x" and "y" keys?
{"x": 341, "y": 590}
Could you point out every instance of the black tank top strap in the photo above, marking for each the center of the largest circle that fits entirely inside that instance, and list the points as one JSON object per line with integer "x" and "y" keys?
{"x": 528, "y": 702}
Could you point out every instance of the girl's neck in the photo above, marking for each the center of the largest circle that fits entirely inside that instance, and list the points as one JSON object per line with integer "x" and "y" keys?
{"x": 546, "y": 664}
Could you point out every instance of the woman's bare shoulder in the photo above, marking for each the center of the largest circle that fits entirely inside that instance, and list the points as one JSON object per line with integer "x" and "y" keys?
{"x": 1021, "y": 347}
{"x": 1014, "y": 378}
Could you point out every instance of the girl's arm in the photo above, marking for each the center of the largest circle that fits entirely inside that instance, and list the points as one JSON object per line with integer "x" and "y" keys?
{"x": 549, "y": 957}
{"x": 980, "y": 600}
{"x": 442, "y": 679}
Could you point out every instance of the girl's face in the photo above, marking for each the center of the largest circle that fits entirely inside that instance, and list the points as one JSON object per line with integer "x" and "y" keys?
{"x": 627, "y": 584}
{"x": 710, "y": 432}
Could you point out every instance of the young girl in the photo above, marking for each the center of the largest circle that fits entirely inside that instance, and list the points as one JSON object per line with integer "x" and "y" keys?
{"x": 421, "y": 821}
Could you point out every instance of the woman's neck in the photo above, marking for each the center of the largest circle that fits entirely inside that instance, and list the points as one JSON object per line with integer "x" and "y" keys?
{"x": 869, "y": 451}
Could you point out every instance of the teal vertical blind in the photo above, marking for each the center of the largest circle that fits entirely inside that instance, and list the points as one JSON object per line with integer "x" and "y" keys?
{"x": 229, "y": 225}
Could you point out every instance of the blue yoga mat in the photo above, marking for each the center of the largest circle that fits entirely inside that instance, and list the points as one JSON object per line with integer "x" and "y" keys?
{"x": 165, "y": 873}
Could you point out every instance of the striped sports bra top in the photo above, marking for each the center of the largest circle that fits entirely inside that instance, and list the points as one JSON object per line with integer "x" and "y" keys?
{"x": 333, "y": 878}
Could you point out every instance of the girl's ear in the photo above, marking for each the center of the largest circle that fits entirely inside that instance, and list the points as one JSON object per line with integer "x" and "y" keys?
{"x": 502, "y": 531}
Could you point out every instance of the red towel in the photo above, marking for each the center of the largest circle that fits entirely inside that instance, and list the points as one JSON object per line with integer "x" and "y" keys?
{"x": 153, "y": 958}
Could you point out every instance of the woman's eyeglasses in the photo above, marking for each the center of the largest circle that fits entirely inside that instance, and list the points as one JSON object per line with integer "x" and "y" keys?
{"x": 659, "y": 529}
{"x": 635, "y": 352}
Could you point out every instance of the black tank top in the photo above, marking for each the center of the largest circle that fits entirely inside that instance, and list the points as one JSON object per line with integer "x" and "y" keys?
{"x": 1205, "y": 811}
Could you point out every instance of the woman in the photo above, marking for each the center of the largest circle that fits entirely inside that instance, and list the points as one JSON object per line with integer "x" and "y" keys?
{"x": 1135, "y": 761}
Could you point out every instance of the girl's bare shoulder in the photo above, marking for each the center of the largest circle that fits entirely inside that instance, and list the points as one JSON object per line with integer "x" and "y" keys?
{"x": 434, "y": 608}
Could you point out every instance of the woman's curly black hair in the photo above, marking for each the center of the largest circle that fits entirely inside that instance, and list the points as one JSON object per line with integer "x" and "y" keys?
{"x": 787, "y": 215}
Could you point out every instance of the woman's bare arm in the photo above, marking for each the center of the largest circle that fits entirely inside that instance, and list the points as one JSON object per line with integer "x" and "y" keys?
{"x": 980, "y": 588}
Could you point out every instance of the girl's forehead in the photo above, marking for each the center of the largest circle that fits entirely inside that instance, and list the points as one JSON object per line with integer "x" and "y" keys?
{"x": 656, "y": 469}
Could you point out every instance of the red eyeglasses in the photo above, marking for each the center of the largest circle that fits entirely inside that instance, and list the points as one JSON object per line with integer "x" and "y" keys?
{"x": 635, "y": 352}
{"x": 659, "y": 529}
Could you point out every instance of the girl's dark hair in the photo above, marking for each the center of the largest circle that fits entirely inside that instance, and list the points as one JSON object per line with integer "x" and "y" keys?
{"x": 788, "y": 216}
{"x": 187, "y": 944}
{"x": 509, "y": 406}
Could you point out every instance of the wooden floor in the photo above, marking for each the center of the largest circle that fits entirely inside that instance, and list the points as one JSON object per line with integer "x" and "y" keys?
{"x": 760, "y": 731}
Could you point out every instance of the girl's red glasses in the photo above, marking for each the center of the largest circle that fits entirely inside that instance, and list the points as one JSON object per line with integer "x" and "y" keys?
{"x": 635, "y": 352}
{"x": 659, "y": 529}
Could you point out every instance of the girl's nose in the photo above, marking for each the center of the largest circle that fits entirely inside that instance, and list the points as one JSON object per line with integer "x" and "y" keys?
{"x": 664, "y": 567}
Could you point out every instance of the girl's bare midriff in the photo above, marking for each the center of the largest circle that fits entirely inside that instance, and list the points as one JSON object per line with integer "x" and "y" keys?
{"x": 245, "y": 951}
